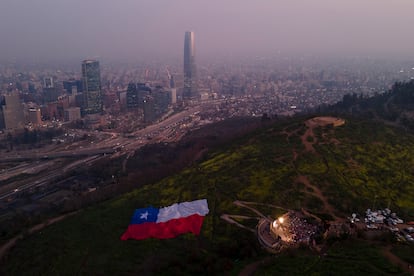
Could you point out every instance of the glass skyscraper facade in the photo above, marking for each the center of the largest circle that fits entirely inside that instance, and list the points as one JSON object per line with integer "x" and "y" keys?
{"x": 190, "y": 72}
{"x": 91, "y": 84}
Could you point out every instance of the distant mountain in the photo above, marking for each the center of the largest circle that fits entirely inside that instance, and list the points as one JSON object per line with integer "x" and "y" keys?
{"x": 294, "y": 163}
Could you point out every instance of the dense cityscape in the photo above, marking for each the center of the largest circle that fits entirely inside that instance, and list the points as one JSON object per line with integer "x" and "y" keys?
{"x": 49, "y": 116}
{"x": 239, "y": 136}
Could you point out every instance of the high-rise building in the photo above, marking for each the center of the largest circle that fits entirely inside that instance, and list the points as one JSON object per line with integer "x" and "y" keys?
{"x": 172, "y": 82}
{"x": 149, "y": 109}
{"x": 2, "y": 123}
{"x": 48, "y": 82}
{"x": 13, "y": 114}
{"x": 91, "y": 84}
{"x": 135, "y": 94}
{"x": 190, "y": 72}
{"x": 72, "y": 114}
{"x": 50, "y": 94}
{"x": 173, "y": 95}
{"x": 34, "y": 116}
{"x": 162, "y": 99}
{"x": 132, "y": 96}
{"x": 72, "y": 86}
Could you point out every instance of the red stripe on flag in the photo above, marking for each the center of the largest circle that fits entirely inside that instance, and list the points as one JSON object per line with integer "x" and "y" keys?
{"x": 164, "y": 230}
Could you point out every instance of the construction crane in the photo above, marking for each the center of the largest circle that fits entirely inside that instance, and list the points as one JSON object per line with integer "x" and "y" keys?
{"x": 170, "y": 78}
{"x": 168, "y": 72}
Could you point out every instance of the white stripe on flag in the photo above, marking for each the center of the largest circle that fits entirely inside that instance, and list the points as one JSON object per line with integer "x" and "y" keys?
{"x": 183, "y": 209}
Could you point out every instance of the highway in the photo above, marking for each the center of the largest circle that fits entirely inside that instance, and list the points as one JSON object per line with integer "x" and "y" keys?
{"x": 45, "y": 172}
{"x": 45, "y": 179}
{"x": 59, "y": 154}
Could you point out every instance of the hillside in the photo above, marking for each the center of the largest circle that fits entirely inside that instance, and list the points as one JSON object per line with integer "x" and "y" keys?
{"x": 296, "y": 164}
{"x": 395, "y": 107}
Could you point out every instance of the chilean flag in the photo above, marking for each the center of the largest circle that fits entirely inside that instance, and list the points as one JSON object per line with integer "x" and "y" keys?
{"x": 167, "y": 222}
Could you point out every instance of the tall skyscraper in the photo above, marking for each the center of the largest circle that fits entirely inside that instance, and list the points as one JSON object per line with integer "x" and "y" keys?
{"x": 190, "y": 72}
{"x": 91, "y": 84}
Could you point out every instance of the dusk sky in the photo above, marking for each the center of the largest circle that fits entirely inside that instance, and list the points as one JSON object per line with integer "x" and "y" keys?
{"x": 137, "y": 29}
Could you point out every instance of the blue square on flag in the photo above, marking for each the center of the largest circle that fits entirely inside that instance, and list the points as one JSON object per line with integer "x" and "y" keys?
{"x": 143, "y": 215}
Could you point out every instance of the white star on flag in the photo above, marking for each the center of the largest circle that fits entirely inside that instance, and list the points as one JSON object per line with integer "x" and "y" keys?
{"x": 144, "y": 215}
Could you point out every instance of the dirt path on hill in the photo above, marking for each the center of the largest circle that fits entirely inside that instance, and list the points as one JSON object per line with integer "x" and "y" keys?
{"x": 328, "y": 208}
{"x": 229, "y": 219}
{"x": 4, "y": 249}
{"x": 245, "y": 204}
{"x": 309, "y": 133}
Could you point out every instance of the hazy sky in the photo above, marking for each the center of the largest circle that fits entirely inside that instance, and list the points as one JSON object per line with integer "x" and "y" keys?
{"x": 113, "y": 29}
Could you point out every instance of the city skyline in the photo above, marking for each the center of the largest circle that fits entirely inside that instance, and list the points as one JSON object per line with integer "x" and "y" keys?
{"x": 49, "y": 30}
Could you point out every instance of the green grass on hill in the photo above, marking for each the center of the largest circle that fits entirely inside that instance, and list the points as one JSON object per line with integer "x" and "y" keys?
{"x": 365, "y": 164}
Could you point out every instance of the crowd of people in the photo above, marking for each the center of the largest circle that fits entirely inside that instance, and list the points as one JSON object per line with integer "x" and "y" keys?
{"x": 299, "y": 229}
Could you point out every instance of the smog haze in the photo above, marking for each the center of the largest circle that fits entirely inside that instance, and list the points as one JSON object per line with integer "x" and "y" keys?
{"x": 130, "y": 29}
